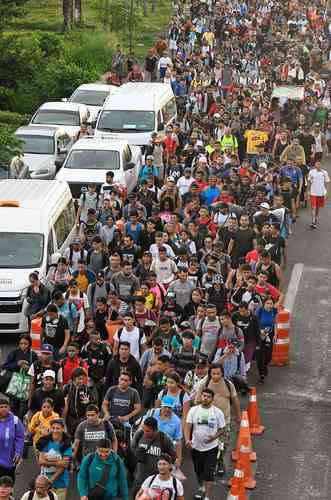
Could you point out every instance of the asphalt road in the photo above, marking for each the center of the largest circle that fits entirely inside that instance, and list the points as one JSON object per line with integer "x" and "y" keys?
{"x": 295, "y": 402}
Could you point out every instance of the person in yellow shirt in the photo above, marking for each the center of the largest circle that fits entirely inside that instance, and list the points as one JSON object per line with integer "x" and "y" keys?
{"x": 254, "y": 139}
{"x": 40, "y": 424}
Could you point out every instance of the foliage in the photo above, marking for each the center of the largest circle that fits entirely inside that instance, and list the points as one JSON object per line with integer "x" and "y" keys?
{"x": 61, "y": 77}
{"x": 10, "y": 9}
{"x": 13, "y": 120}
{"x": 9, "y": 145}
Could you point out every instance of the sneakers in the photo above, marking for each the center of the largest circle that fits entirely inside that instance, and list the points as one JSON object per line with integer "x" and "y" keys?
{"x": 200, "y": 494}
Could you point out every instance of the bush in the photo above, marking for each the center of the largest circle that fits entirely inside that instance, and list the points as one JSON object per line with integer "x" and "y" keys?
{"x": 61, "y": 77}
{"x": 91, "y": 51}
{"x": 13, "y": 120}
{"x": 9, "y": 145}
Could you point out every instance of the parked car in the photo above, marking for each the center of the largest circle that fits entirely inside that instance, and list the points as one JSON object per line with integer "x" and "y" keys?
{"x": 43, "y": 146}
{"x": 89, "y": 159}
{"x": 93, "y": 95}
{"x": 16, "y": 169}
{"x": 68, "y": 115}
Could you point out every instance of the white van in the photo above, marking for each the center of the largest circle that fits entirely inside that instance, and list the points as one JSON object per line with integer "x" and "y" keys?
{"x": 137, "y": 110}
{"x": 37, "y": 222}
{"x": 90, "y": 159}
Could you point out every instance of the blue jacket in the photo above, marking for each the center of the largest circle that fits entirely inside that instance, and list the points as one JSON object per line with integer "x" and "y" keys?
{"x": 89, "y": 275}
{"x": 11, "y": 440}
{"x": 90, "y": 475}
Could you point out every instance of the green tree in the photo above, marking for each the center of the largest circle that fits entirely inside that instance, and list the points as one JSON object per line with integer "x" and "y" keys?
{"x": 10, "y": 146}
{"x": 9, "y": 9}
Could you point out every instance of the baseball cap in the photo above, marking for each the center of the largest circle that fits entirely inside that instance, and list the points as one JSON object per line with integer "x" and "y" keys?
{"x": 265, "y": 205}
{"x": 149, "y": 157}
{"x": 76, "y": 241}
{"x": 100, "y": 274}
{"x": 233, "y": 341}
{"x": 188, "y": 335}
{"x": 168, "y": 401}
{"x": 49, "y": 373}
{"x": 47, "y": 348}
{"x": 201, "y": 362}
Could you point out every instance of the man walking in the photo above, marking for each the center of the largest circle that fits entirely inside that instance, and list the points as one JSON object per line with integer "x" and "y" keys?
{"x": 205, "y": 423}
{"x": 318, "y": 180}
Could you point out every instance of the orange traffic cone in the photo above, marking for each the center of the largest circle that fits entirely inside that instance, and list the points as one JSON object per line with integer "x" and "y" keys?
{"x": 244, "y": 432}
{"x": 281, "y": 346}
{"x": 237, "y": 492}
{"x": 253, "y": 413}
{"x": 35, "y": 334}
{"x": 249, "y": 482}
{"x": 238, "y": 474}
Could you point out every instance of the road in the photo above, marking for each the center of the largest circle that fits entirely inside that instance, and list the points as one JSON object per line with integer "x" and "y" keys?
{"x": 295, "y": 402}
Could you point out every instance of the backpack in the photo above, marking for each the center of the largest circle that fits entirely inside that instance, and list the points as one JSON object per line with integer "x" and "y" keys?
{"x": 93, "y": 290}
{"x": 174, "y": 482}
{"x": 227, "y": 383}
{"x": 90, "y": 460}
{"x": 32, "y": 492}
{"x": 72, "y": 252}
{"x": 141, "y": 334}
{"x": 181, "y": 395}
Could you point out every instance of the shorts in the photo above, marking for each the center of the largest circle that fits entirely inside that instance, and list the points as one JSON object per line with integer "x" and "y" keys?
{"x": 317, "y": 201}
{"x": 205, "y": 463}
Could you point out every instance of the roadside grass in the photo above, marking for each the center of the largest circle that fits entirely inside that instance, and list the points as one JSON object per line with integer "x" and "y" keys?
{"x": 46, "y": 15}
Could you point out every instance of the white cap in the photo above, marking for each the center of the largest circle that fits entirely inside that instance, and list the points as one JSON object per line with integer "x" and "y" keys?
{"x": 49, "y": 373}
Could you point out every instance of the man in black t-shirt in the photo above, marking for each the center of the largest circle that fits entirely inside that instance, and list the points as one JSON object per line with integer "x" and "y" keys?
{"x": 47, "y": 391}
{"x": 55, "y": 330}
{"x": 243, "y": 241}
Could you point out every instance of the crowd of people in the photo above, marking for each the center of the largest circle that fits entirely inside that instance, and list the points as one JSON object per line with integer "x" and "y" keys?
{"x": 154, "y": 318}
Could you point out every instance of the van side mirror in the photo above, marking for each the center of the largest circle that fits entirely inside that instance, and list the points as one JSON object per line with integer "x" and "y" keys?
{"x": 160, "y": 127}
{"x": 58, "y": 163}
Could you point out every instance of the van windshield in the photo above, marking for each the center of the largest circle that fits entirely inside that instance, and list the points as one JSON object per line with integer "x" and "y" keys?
{"x": 90, "y": 97}
{"x": 21, "y": 250}
{"x": 93, "y": 160}
{"x": 37, "y": 145}
{"x": 53, "y": 117}
{"x": 127, "y": 121}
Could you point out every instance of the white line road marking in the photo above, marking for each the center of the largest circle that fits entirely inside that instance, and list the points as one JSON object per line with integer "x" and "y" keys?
{"x": 293, "y": 286}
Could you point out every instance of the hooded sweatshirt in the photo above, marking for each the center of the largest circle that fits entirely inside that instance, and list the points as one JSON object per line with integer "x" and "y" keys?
{"x": 90, "y": 475}
{"x": 11, "y": 440}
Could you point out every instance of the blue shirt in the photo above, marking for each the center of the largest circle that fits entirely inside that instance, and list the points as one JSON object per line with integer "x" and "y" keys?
{"x": 295, "y": 174}
{"x": 52, "y": 449}
{"x": 134, "y": 233}
{"x": 171, "y": 427}
{"x": 70, "y": 313}
{"x": 146, "y": 171}
{"x": 266, "y": 318}
{"x": 210, "y": 194}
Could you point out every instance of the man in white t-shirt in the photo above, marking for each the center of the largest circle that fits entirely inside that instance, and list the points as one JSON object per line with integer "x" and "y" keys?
{"x": 318, "y": 180}
{"x": 41, "y": 490}
{"x": 205, "y": 423}
{"x": 164, "y": 484}
{"x": 184, "y": 182}
{"x": 132, "y": 334}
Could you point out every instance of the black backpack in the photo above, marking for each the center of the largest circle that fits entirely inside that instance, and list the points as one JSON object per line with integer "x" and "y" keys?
{"x": 141, "y": 334}
{"x": 72, "y": 252}
{"x": 49, "y": 493}
{"x": 93, "y": 290}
